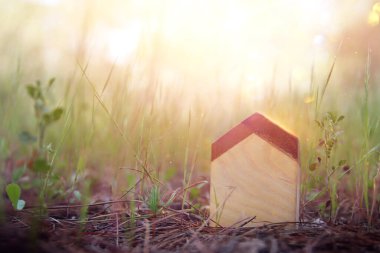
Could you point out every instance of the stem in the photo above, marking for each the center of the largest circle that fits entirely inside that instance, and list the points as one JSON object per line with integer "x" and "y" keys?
{"x": 41, "y": 136}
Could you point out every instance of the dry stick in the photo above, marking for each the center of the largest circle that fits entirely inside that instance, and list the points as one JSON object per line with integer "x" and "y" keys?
{"x": 82, "y": 205}
{"x": 146, "y": 239}
{"x": 208, "y": 219}
{"x": 117, "y": 230}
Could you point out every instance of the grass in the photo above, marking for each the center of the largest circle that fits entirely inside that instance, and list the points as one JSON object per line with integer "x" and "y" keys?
{"x": 149, "y": 132}
{"x": 126, "y": 126}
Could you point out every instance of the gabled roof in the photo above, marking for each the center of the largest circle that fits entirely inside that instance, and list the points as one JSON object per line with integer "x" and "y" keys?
{"x": 262, "y": 127}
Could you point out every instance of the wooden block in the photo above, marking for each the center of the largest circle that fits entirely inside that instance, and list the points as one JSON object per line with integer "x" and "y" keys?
{"x": 255, "y": 172}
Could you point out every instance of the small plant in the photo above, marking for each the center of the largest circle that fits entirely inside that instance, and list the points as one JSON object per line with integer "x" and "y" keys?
{"x": 14, "y": 193}
{"x": 45, "y": 116}
{"x": 329, "y": 126}
{"x": 155, "y": 202}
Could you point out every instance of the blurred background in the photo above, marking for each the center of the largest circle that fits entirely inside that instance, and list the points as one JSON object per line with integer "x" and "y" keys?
{"x": 155, "y": 82}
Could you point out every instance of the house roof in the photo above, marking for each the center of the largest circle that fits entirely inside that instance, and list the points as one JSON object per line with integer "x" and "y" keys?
{"x": 264, "y": 128}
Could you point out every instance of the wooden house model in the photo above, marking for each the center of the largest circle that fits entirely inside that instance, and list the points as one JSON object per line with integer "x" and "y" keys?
{"x": 254, "y": 173}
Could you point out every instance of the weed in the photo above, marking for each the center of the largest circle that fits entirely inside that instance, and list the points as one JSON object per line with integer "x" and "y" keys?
{"x": 45, "y": 116}
{"x": 154, "y": 200}
{"x": 330, "y": 132}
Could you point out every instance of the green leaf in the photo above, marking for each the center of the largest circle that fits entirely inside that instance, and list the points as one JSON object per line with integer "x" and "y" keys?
{"x": 170, "y": 173}
{"x": 53, "y": 116}
{"x": 57, "y": 113}
{"x": 195, "y": 193}
{"x": 332, "y": 116}
{"x": 20, "y": 204}
{"x": 342, "y": 162}
{"x": 154, "y": 199}
{"x": 18, "y": 173}
{"x": 81, "y": 165}
{"x": 14, "y": 192}
{"x": 77, "y": 195}
{"x": 369, "y": 153}
{"x": 51, "y": 81}
{"x": 373, "y": 128}
{"x": 41, "y": 165}
{"x": 26, "y": 137}
{"x": 32, "y": 91}
{"x": 341, "y": 117}
{"x": 315, "y": 195}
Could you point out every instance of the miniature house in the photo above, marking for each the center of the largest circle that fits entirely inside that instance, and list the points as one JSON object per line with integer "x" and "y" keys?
{"x": 254, "y": 173}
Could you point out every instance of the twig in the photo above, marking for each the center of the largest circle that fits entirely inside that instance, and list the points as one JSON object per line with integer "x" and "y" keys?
{"x": 117, "y": 230}
{"x": 146, "y": 239}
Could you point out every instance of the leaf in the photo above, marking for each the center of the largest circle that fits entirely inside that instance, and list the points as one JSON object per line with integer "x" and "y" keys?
{"x": 77, "y": 195}
{"x": 341, "y": 117}
{"x": 342, "y": 162}
{"x": 20, "y": 204}
{"x": 14, "y": 192}
{"x": 32, "y": 91}
{"x": 53, "y": 116}
{"x": 26, "y": 137}
{"x": 315, "y": 195}
{"x": 154, "y": 199}
{"x": 313, "y": 166}
{"x": 51, "y": 81}
{"x": 320, "y": 124}
{"x": 81, "y": 164}
{"x": 195, "y": 193}
{"x": 373, "y": 128}
{"x": 369, "y": 153}
{"x": 170, "y": 173}
{"x": 41, "y": 165}
{"x": 332, "y": 116}
{"x": 57, "y": 113}
{"x": 18, "y": 173}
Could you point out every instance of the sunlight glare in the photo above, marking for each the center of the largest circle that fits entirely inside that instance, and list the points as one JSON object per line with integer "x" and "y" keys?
{"x": 122, "y": 42}
{"x": 247, "y": 41}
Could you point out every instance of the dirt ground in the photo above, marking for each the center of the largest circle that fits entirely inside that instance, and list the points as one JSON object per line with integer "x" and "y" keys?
{"x": 61, "y": 230}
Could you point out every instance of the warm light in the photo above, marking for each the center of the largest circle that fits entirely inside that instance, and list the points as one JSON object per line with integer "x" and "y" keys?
{"x": 373, "y": 18}
{"x": 376, "y": 7}
{"x": 45, "y": 2}
{"x": 122, "y": 42}
{"x": 249, "y": 45}
{"x": 309, "y": 99}
{"x": 374, "y": 15}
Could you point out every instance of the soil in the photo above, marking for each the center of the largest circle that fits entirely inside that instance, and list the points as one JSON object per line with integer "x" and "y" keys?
{"x": 61, "y": 230}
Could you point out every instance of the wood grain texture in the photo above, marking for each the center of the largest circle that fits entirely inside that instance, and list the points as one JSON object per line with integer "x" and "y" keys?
{"x": 254, "y": 178}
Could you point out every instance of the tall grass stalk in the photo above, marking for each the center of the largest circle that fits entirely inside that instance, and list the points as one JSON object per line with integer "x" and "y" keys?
{"x": 366, "y": 133}
{"x": 185, "y": 180}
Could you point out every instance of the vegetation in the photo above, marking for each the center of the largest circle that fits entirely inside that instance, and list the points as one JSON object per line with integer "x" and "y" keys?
{"x": 122, "y": 135}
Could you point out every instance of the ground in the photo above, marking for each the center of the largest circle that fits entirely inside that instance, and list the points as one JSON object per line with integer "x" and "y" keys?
{"x": 60, "y": 230}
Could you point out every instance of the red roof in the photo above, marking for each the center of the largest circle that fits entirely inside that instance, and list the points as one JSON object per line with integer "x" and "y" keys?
{"x": 264, "y": 128}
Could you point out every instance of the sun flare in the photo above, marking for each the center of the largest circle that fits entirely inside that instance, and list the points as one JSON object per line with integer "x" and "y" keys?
{"x": 248, "y": 40}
